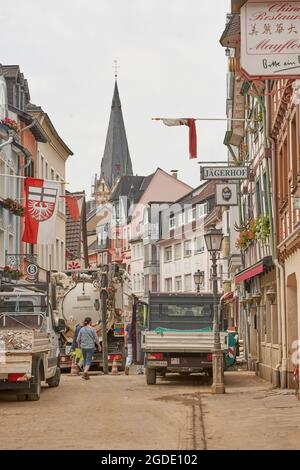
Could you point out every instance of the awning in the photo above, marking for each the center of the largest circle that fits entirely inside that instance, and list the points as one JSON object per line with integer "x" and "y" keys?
{"x": 253, "y": 270}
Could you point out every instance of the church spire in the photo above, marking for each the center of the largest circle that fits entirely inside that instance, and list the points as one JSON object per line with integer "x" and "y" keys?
{"x": 116, "y": 159}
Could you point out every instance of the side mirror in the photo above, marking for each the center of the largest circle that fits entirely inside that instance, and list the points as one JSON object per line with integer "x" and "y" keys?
{"x": 61, "y": 325}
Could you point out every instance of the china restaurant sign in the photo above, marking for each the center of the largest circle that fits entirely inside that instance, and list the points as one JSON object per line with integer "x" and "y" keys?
{"x": 270, "y": 39}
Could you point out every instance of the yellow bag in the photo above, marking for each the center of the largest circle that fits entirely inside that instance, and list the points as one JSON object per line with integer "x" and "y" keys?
{"x": 79, "y": 357}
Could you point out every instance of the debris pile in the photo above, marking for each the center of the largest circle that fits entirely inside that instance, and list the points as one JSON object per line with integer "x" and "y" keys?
{"x": 16, "y": 340}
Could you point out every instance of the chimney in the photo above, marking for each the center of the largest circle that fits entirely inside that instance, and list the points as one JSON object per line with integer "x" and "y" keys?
{"x": 174, "y": 173}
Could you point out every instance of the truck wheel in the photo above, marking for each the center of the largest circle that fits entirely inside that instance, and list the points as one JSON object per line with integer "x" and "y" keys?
{"x": 54, "y": 381}
{"x": 150, "y": 376}
{"x": 36, "y": 386}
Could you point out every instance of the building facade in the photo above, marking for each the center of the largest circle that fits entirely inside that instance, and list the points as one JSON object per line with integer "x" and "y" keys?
{"x": 182, "y": 245}
{"x": 51, "y": 165}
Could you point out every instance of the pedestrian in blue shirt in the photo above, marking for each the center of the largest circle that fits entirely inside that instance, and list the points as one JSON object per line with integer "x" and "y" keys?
{"x": 87, "y": 341}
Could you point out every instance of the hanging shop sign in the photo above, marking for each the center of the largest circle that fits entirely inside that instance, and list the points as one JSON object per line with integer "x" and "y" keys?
{"x": 32, "y": 272}
{"x": 270, "y": 39}
{"x": 226, "y": 194}
{"x": 224, "y": 172}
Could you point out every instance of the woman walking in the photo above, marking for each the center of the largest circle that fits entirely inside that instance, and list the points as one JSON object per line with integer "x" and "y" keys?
{"x": 87, "y": 341}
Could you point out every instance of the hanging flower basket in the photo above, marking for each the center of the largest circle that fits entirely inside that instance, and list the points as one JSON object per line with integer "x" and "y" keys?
{"x": 13, "y": 206}
{"x": 257, "y": 229}
{"x": 11, "y": 123}
{"x": 12, "y": 273}
{"x": 262, "y": 229}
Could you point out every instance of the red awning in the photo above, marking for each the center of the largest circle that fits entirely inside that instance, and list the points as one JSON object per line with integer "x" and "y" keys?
{"x": 250, "y": 272}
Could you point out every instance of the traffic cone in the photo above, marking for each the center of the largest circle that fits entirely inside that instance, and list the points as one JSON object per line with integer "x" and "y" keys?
{"x": 114, "y": 369}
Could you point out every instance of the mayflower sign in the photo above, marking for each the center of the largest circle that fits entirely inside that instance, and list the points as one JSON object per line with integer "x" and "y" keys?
{"x": 270, "y": 39}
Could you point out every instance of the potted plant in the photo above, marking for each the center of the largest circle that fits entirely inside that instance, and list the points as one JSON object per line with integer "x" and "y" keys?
{"x": 13, "y": 206}
{"x": 12, "y": 273}
{"x": 11, "y": 124}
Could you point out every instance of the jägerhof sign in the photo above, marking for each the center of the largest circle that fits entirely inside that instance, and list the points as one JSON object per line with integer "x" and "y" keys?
{"x": 270, "y": 39}
{"x": 224, "y": 172}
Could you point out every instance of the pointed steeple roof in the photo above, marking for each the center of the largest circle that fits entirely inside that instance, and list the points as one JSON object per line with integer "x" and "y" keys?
{"x": 116, "y": 159}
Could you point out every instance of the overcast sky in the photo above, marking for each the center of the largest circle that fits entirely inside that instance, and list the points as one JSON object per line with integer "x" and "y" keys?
{"x": 171, "y": 65}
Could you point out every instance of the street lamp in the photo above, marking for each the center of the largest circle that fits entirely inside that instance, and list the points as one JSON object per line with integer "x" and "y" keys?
{"x": 213, "y": 239}
{"x": 199, "y": 279}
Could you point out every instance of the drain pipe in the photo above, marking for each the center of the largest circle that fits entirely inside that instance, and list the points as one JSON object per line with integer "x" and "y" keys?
{"x": 280, "y": 271}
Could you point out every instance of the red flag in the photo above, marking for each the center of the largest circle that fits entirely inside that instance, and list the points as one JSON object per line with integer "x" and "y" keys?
{"x": 72, "y": 204}
{"x": 192, "y": 132}
{"x": 40, "y": 211}
{"x": 192, "y": 138}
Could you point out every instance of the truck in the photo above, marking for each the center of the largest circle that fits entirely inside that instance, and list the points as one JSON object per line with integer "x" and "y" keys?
{"x": 179, "y": 336}
{"x": 76, "y": 294}
{"x": 29, "y": 341}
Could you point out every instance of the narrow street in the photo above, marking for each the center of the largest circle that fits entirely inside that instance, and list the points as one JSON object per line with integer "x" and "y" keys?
{"x": 119, "y": 412}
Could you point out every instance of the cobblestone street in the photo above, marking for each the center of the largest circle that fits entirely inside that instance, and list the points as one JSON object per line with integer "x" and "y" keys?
{"x": 109, "y": 412}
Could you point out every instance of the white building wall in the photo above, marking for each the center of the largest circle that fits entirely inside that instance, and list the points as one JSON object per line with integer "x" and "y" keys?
{"x": 187, "y": 265}
{"x": 137, "y": 268}
{"x": 9, "y": 187}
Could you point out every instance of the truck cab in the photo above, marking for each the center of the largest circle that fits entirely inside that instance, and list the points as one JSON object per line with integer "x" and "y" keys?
{"x": 29, "y": 343}
{"x": 179, "y": 336}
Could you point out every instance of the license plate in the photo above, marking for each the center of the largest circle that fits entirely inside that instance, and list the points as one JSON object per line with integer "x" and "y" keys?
{"x": 175, "y": 360}
{"x": 158, "y": 363}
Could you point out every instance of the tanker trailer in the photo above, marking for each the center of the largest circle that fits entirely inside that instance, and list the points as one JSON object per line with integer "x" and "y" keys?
{"x": 82, "y": 299}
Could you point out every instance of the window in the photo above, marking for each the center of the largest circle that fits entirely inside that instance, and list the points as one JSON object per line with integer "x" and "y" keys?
{"x": 199, "y": 244}
{"x": 46, "y": 170}
{"x": 153, "y": 254}
{"x": 187, "y": 282}
{"x": 258, "y": 198}
{"x": 29, "y": 170}
{"x": 188, "y": 216}
{"x": 178, "y": 283}
{"x": 134, "y": 282}
{"x": 168, "y": 254}
{"x": 201, "y": 210}
{"x": 153, "y": 283}
{"x": 63, "y": 257}
{"x": 60, "y": 199}
{"x": 138, "y": 282}
{"x": 52, "y": 175}
{"x": 187, "y": 248}
{"x": 168, "y": 284}
{"x": 266, "y": 200}
{"x": 177, "y": 251}
{"x": 179, "y": 219}
{"x": 294, "y": 148}
{"x": 172, "y": 221}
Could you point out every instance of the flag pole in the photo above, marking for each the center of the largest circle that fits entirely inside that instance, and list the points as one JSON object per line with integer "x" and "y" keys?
{"x": 203, "y": 119}
{"x": 24, "y": 177}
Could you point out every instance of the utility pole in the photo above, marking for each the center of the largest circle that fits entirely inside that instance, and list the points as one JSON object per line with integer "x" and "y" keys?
{"x": 103, "y": 303}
